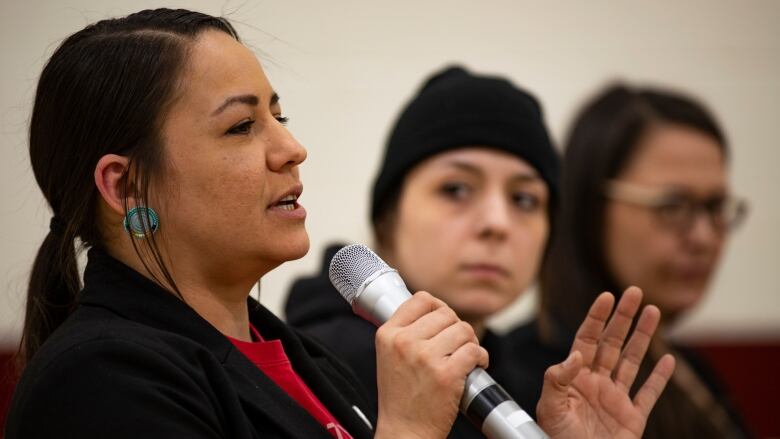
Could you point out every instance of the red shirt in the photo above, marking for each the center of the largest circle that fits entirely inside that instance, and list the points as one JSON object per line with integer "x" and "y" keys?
{"x": 270, "y": 358}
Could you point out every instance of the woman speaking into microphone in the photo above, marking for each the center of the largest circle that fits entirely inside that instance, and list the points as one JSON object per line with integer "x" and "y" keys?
{"x": 160, "y": 146}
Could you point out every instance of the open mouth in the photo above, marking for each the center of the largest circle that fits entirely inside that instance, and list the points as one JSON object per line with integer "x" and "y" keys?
{"x": 290, "y": 202}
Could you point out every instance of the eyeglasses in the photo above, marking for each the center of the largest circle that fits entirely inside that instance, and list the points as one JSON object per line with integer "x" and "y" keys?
{"x": 677, "y": 209}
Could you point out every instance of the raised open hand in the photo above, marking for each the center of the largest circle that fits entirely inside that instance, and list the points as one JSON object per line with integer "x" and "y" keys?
{"x": 587, "y": 396}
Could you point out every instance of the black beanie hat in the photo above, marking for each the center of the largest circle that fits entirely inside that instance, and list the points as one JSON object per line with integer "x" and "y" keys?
{"x": 456, "y": 109}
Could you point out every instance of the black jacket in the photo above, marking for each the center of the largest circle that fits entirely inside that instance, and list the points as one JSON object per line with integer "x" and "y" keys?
{"x": 316, "y": 308}
{"x": 134, "y": 361}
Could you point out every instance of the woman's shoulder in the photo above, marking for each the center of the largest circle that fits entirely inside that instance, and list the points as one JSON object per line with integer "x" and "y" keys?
{"x": 90, "y": 333}
{"x": 112, "y": 368}
{"x": 98, "y": 352}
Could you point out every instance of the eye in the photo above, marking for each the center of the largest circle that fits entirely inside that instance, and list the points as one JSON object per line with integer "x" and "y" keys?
{"x": 455, "y": 190}
{"x": 675, "y": 208}
{"x": 716, "y": 205}
{"x": 282, "y": 119}
{"x": 242, "y": 128}
{"x": 526, "y": 201}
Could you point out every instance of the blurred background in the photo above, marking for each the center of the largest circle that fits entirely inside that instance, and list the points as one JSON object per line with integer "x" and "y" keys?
{"x": 344, "y": 68}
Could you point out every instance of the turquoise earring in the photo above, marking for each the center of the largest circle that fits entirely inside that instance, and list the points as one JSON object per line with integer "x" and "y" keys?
{"x": 140, "y": 221}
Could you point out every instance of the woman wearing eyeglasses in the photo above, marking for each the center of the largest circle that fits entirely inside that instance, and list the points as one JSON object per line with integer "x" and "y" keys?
{"x": 646, "y": 201}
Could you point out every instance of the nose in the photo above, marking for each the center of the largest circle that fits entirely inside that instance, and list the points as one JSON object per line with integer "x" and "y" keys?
{"x": 494, "y": 216}
{"x": 284, "y": 151}
{"x": 704, "y": 234}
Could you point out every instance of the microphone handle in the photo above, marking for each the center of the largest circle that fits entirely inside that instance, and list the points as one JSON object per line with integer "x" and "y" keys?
{"x": 490, "y": 408}
{"x": 485, "y": 403}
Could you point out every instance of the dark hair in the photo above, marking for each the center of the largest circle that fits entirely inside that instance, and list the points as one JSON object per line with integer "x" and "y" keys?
{"x": 604, "y": 136}
{"x": 105, "y": 90}
{"x": 384, "y": 224}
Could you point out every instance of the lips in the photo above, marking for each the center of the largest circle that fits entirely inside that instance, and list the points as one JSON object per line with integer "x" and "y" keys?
{"x": 486, "y": 269}
{"x": 693, "y": 273}
{"x": 287, "y": 203}
{"x": 289, "y": 199}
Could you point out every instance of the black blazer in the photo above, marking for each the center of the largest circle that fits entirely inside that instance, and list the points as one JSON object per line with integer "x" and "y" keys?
{"x": 134, "y": 361}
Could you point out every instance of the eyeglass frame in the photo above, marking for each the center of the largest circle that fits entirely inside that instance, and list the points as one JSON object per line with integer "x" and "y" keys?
{"x": 655, "y": 200}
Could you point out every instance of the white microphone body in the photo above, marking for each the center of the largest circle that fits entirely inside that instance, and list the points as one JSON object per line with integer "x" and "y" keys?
{"x": 380, "y": 295}
{"x": 376, "y": 296}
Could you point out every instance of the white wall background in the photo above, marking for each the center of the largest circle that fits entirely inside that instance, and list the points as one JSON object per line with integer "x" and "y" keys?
{"x": 344, "y": 68}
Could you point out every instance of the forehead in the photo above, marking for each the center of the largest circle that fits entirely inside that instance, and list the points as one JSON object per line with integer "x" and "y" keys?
{"x": 486, "y": 159}
{"x": 219, "y": 66}
{"x": 677, "y": 155}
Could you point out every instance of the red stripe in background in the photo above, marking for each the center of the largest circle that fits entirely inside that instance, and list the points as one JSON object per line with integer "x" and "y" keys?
{"x": 7, "y": 381}
{"x": 749, "y": 370}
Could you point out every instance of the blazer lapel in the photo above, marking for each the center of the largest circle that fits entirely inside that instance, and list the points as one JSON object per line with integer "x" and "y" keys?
{"x": 265, "y": 401}
{"x": 317, "y": 369}
{"x": 337, "y": 392}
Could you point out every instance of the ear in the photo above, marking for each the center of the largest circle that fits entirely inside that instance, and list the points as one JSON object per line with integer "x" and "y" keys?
{"x": 111, "y": 174}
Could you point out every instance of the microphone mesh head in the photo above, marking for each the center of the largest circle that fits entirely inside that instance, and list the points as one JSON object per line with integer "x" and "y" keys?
{"x": 351, "y": 266}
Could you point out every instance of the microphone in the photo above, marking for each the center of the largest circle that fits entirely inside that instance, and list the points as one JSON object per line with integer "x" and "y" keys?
{"x": 375, "y": 291}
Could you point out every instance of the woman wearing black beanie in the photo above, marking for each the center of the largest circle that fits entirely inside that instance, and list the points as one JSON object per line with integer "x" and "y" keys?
{"x": 461, "y": 207}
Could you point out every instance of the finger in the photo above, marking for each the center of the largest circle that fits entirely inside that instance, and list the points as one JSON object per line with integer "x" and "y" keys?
{"x": 611, "y": 342}
{"x": 420, "y": 304}
{"x": 434, "y": 322}
{"x": 648, "y": 394}
{"x": 451, "y": 339}
{"x": 466, "y": 358}
{"x": 635, "y": 350}
{"x": 587, "y": 338}
{"x": 555, "y": 389}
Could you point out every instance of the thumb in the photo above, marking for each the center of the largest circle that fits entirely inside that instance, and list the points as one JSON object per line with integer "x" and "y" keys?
{"x": 555, "y": 390}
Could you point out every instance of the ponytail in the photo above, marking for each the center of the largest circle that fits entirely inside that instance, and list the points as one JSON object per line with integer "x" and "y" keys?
{"x": 51, "y": 293}
{"x": 105, "y": 90}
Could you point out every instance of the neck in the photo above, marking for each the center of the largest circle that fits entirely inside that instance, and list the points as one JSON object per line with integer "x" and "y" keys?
{"x": 662, "y": 333}
{"x": 220, "y": 300}
{"x": 229, "y": 316}
{"x": 219, "y": 295}
{"x": 478, "y": 325}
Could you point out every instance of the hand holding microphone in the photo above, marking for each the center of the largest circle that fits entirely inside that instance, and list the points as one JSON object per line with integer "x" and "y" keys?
{"x": 423, "y": 355}
{"x": 443, "y": 350}
{"x": 586, "y": 396}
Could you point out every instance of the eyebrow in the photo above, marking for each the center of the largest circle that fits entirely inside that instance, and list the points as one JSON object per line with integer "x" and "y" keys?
{"x": 246, "y": 99}
{"x": 524, "y": 176}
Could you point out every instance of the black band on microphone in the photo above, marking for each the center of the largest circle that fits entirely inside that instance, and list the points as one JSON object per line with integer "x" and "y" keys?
{"x": 485, "y": 401}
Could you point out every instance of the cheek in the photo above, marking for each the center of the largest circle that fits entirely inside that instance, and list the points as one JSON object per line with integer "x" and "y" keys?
{"x": 425, "y": 245}
{"x": 637, "y": 249}
{"x": 627, "y": 237}
{"x": 528, "y": 250}
{"x": 222, "y": 193}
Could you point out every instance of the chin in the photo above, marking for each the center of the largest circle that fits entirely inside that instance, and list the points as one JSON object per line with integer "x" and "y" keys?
{"x": 298, "y": 248}
{"x": 280, "y": 252}
{"x": 478, "y": 306}
{"x": 682, "y": 301}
